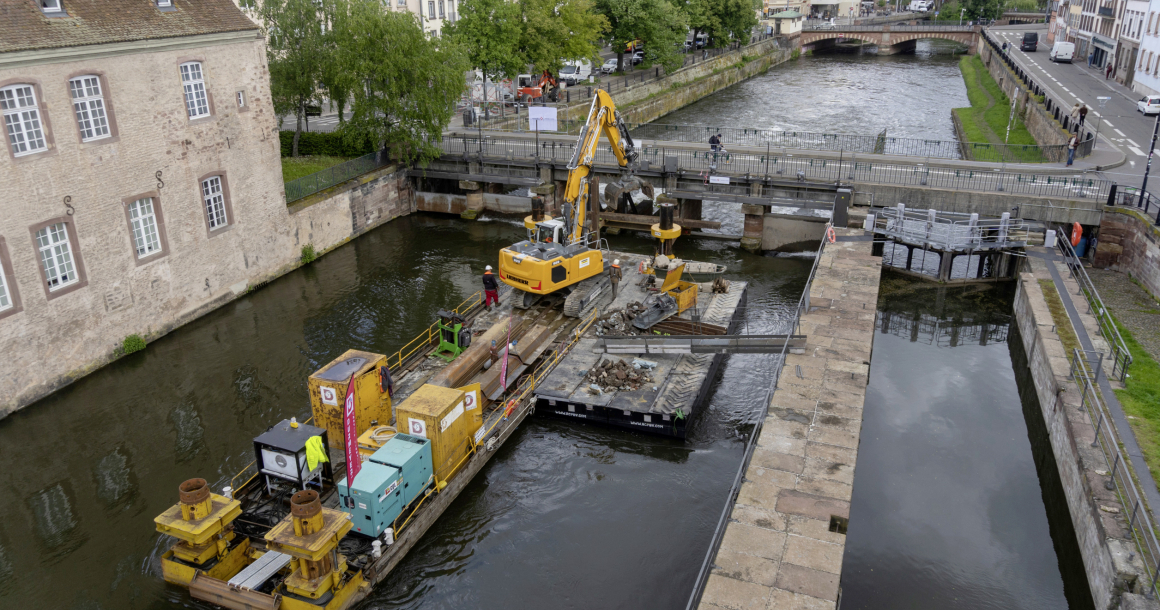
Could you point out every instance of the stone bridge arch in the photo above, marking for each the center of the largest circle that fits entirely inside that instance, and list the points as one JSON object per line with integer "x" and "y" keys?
{"x": 888, "y": 40}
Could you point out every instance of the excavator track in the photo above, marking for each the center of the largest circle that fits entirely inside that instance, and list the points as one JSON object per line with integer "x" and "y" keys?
{"x": 583, "y": 295}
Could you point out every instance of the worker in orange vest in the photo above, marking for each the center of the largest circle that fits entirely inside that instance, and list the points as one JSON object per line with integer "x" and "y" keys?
{"x": 615, "y": 274}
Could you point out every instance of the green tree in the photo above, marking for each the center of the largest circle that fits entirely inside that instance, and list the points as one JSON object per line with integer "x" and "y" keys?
{"x": 657, "y": 23}
{"x": 700, "y": 16}
{"x": 489, "y": 32}
{"x": 735, "y": 20}
{"x": 297, "y": 50}
{"x": 557, "y": 30}
{"x": 403, "y": 85}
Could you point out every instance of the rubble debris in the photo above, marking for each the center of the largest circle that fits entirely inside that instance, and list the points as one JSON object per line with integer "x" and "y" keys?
{"x": 609, "y": 376}
{"x": 618, "y": 322}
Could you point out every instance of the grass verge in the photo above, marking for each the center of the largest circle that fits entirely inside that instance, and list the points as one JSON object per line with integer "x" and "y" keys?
{"x": 985, "y": 121}
{"x": 1059, "y": 315}
{"x": 294, "y": 168}
{"x": 1141, "y": 399}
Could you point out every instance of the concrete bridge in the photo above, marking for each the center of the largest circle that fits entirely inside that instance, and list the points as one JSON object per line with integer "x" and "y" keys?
{"x": 891, "y": 39}
{"x": 785, "y": 195}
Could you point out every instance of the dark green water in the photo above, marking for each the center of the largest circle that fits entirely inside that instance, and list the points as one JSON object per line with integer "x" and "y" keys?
{"x": 563, "y": 516}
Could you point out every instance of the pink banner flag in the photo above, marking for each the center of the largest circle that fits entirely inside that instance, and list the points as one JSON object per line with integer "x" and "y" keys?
{"x": 506, "y": 347}
{"x": 350, "y": 435}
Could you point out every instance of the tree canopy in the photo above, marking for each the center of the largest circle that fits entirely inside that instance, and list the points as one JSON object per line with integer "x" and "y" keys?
{"x": 657, "y": 23}
{"x": 298, "y": 50}
{"x": 403, "y": 85}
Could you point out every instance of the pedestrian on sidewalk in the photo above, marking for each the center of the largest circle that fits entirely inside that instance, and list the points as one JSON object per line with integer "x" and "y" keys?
{"x": 1074, "y": 114}
{"x": 1091, "y": 59}
{"x": 1004, "y": 47}
{"x": 715, "y": 142}
{"x": 490, "y": 288}
{"x": 615, "y": 275}
{"x": 1108, "y": 70}
{"x": 1071, "y": 146}
{"x": 1083, "y": 110}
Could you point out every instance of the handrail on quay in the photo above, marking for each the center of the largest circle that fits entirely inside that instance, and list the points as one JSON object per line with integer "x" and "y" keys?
{"x": 751, "y": 443}
{"x": 1140, "y": 523}
{"x": 1120, "y": 356}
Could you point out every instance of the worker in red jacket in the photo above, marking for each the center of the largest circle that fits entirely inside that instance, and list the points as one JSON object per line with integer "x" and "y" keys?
{"x": 490, "y": 288}
{"x": 615, "y": 275}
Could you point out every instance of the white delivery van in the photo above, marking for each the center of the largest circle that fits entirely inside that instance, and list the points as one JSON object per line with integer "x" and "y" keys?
{"x": 575, "y": 72}
{"x": 1062, "y": 51}
{"x": 919, "y": 6}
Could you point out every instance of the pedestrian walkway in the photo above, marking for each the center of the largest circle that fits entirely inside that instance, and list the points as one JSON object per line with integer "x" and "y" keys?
{"x": 1067, "y": 290}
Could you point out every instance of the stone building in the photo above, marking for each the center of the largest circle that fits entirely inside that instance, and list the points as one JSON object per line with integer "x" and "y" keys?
{"x": 141, "y": 176}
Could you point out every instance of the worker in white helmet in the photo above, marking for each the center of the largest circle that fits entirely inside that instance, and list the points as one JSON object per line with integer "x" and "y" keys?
{"x": 615, "y": 274}
{"x": 490, "y": 288}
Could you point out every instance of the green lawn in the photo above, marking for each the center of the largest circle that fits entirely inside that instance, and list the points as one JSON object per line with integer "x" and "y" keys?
{"x": 294, "y": 168}
{"x": 1141, "y": 400}
{"x": 985, "y": 121}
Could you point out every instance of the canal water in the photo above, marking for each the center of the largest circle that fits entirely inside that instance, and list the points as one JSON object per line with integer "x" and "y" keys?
{"x": 908, "y": 96}
{"x": 564, "y": 515}
{"x": 957, "y": 503}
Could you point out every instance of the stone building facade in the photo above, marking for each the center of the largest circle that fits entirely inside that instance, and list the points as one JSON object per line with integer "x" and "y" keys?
{"x": 141, "y": 174}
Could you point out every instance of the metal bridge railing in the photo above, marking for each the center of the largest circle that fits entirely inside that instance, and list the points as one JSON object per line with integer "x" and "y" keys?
{"x": 1129, "y": 197}
{"x": 949, "y": 230}
{"x": 335, "y": 174}
{"x": 1121, "y": 358}
{"x": 794, "y": 324}
{"x": 1140, "y": 520}
{"x": 803, "y": 169}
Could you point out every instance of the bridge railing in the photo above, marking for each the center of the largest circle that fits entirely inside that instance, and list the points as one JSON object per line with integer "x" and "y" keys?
{"x": 949, "y": 230}
{"x": 1121, "y": 357}
{"x": 893, "y": 28}
{"x": 873, "y": 144}
{"x": 790, "y": 166}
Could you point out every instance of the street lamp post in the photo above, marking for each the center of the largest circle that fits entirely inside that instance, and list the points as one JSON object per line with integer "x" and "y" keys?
{"x": 961, "y": 13}
{"x": 1148, "y": 168}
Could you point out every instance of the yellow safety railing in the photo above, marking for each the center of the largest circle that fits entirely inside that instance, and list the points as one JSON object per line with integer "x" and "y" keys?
{"x": 427, "y": 337}
{"x": 522, "y": 391}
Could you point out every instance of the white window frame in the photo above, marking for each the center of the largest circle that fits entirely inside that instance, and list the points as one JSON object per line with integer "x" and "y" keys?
{"x": 51, "y": 6}
{"x": 430, "y": 10}
{"x": 164, "y": 3}
{"x": 146, "y": 232}
{"x": 21, "y": 111}
{"x": 214, "y": 198}
{"x": 56, "y": 256}
{"x": 241, "y": 97}
{"x": 89, "y": 107}
{"x": 6, "y": 301}
{"x": 442, "y": 13}
{"x": 193, "y": 87}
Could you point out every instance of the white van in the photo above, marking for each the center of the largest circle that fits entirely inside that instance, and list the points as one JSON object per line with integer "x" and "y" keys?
{"x": 575, "y": 72}
{"x": 919, "y": 6}
{"x": 1062, "y": 51}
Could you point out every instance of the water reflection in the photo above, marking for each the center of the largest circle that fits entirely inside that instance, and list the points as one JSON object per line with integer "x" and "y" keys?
{"x": 56, "y": 524}
{"x": 947, "y": 510}
{"x": 116, "y": 483}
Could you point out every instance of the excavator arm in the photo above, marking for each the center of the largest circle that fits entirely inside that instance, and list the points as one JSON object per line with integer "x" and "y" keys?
{"x": 602, "y": 118}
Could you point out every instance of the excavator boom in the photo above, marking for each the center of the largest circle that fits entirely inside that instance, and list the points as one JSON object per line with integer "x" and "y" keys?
{"x": 602, "y": 119}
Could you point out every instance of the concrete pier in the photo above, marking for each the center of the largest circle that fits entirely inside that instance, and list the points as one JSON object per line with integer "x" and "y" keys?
{"x": 784, "y": 543}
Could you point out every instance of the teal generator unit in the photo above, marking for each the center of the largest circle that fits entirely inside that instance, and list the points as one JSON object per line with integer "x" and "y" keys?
{"x": 374, "y": 500}
{"x": 412, "y": 456}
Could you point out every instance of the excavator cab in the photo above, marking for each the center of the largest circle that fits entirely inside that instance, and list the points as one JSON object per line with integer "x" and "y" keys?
{"x": 548, "y": 232}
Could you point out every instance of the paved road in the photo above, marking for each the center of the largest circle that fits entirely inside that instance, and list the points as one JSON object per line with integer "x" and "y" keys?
{"x": 1120, "y": 124}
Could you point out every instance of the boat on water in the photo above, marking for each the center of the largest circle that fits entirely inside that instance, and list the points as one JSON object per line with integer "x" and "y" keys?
{"x": 290, "y": 533}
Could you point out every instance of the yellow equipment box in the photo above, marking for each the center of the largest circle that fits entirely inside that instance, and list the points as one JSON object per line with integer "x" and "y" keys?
{"x": 440, "y": 414}
{"x": 368, "y": 444}
{"x": 684, "y": 292}
{"x": 328, "y": 386}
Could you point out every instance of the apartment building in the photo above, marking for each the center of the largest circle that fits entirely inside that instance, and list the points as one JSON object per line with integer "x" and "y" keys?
{"x": 1131, "y": 28}
{"x": 142, "y": 177}
{"x": 1146, "y": 79}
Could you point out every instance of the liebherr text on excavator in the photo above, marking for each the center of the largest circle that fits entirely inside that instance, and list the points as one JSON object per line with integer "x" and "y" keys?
{"x": 563, "y": 254}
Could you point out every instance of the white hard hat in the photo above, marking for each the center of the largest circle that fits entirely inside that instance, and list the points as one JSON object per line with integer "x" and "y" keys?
{"x": 487, "y": 268}
{"x": 616, "y": 262}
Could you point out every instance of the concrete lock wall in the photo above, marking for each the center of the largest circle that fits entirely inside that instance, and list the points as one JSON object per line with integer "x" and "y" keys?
{"x": 785, "y": 233}
{"x": 448, "y": 203}
{"x": 1130, "y": 243}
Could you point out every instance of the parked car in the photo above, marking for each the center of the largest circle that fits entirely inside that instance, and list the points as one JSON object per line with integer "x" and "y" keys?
{"x": 1149, "y": 104}
{"x": 575, "y": 72}
{"x": 826, "y": 25}
{"x": 609, "y": 66}
{"x": 1030, "y": 41}
{"x": 637, "y": 57}
{"x": 1062, "y": 51}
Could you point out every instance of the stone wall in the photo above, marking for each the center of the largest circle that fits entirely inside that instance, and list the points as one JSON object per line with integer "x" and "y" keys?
{"x": 1104, "y": 541}
{"x": 57, "y": 336}
{"x": 1040, "y": 123}
{"x": 1130, "y": 242}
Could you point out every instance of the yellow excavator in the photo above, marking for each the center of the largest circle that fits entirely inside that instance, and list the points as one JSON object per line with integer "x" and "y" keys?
{"x": 563, "y": 254}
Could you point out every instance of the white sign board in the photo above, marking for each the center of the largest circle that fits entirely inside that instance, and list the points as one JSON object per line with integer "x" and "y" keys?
{"x": 718, "y": 179}
{"x": 446, "y": 422}
{"x": 328, "y": 395}
{"x": 417, "y": 427}
{"x": 541, "y": 118}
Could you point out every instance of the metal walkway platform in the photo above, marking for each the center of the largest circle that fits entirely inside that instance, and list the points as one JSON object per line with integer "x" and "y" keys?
{"x": 700, "y": 344}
